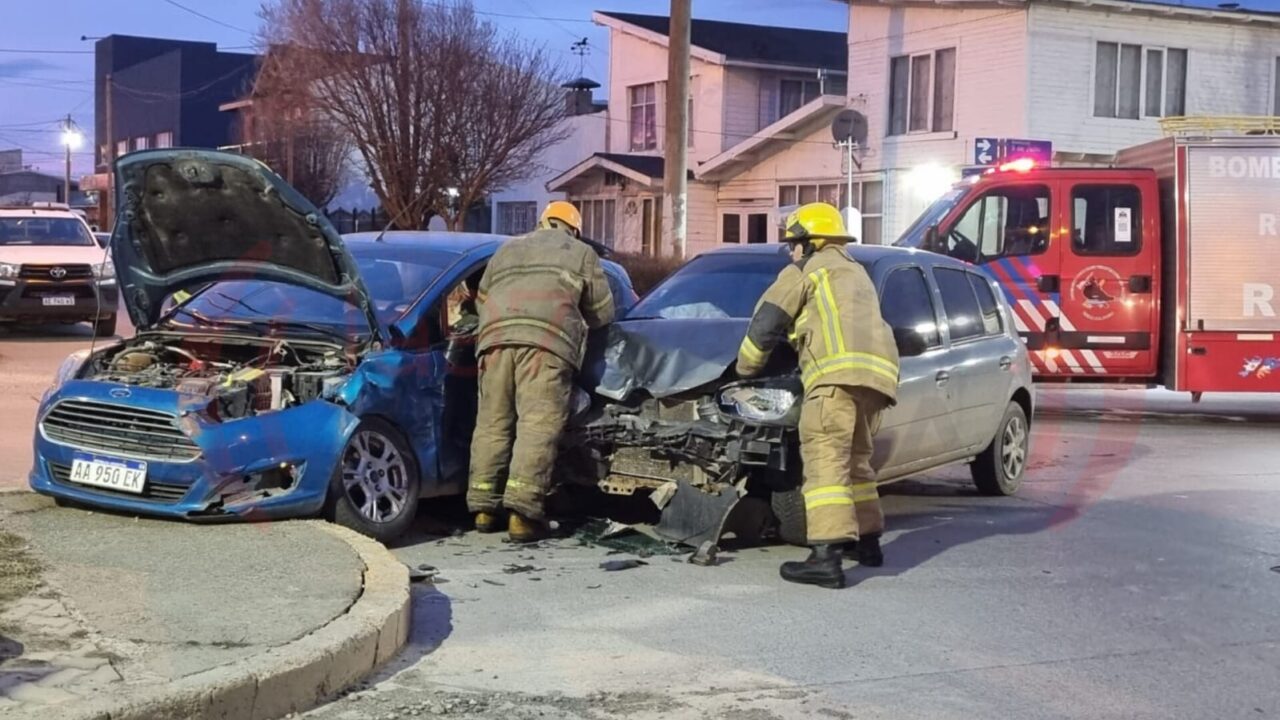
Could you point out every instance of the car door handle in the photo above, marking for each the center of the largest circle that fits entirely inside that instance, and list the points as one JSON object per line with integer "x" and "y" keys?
{"x": 942, "y": 378}
{"x": 1006, "y": 362}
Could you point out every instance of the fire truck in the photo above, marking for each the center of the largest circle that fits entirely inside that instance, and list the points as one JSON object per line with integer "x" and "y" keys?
{"x": 1161, "y": 270}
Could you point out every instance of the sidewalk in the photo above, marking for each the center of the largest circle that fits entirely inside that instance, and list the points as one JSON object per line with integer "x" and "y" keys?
{"x": 128, "y": 608}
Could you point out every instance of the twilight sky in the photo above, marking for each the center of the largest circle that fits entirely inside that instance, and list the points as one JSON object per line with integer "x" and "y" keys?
{"x": 39, "y": 88}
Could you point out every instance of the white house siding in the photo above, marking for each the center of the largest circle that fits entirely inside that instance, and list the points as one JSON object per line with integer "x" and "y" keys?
{"x": 585, "y": 136}
{"x": 1229, "y": 71}
{"x": 701, "y": 218}
{"x": 990, "y": 91}
{"x": 741, "y": 106}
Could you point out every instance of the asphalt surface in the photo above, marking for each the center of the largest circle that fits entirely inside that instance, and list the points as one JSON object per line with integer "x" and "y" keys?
{"x": 171, "y": 599}
{"x": 1137, "y": 575}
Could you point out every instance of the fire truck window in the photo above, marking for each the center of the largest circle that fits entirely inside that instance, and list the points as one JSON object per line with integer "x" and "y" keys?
{"x": 961, "y": 305}
{"x": 1005, "y": 222}
{"x": 1106, "y": 220}
{"x": 987, "y": 303}
{"x": 907, "y": 303}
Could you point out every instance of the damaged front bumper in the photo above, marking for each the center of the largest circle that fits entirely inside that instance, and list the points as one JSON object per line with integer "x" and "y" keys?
{"x": 269, "y": 466}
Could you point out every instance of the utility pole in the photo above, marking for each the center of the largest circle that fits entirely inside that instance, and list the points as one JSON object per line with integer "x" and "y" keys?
{"x": 676, "y": 183}
{"x": 67, "y": 130}
{"x": 106, "y": 201}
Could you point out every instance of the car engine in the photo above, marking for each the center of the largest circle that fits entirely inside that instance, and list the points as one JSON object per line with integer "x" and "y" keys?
{"x": 241, "y": 378}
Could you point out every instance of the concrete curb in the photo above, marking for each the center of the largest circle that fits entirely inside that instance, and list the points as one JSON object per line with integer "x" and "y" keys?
{"x": 293, "y": 677}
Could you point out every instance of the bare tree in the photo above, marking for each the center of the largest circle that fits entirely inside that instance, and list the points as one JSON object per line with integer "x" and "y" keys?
{"x": 441, "y": 108}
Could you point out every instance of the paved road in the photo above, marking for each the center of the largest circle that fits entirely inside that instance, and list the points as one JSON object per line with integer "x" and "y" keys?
{"x": 1136, "y": 576}
{"x": 29, "y": 356}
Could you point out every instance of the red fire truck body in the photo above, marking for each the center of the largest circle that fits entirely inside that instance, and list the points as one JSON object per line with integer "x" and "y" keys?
{"x": 1160, "y": 271}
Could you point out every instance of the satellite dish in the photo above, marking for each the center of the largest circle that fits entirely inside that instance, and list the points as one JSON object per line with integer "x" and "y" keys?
{"x": 849, "y": 126}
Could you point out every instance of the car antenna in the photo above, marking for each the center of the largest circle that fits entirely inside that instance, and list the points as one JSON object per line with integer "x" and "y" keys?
{"x": 400, "y": 214}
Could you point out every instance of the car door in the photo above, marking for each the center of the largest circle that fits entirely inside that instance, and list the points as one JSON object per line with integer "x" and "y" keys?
{"x": 976, "y": 355}
{"x": 919, "y": 428}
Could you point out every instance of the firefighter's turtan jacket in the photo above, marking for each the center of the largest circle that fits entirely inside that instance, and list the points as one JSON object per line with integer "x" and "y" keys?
{"x": 543, "y": 290}
{"x": 827, "y": 307}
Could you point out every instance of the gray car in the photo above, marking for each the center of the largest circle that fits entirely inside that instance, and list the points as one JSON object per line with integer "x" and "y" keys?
{"x": 668, "y": 416}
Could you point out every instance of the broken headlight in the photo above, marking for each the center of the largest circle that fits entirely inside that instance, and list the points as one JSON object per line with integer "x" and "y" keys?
{"x": 771, "y": 401}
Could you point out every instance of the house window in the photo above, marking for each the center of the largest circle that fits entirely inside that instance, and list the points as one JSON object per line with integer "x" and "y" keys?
{"x": 644, "y": 117}
{"x": 517, "y": 218}
{"x": 794, "y": 94}
{"x": 1275, "y": 90}
{"x": 164, "y": 139}
{"x": 598, "y": 219}
{"x": 1132, "y": 81}
{"x": 868, "y": 196}
{"x": 731, "y": 228}
{"x": 122, "y": 147}
{"x": 922, "y": 92}
{"x": 756, "y": 226}
{"x": 141, "y": 143}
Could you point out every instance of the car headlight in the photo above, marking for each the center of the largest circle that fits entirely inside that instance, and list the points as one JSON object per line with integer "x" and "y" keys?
{"x": 768, "y": 401}
{"x": 104, "y": 271}
{"x": 8, "y": 271}
{"x": 70, "y": 367}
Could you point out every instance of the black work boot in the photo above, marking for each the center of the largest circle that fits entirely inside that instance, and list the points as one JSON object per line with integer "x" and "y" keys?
{"x": 867, "y": 552}
{"x": 822, "y": 568}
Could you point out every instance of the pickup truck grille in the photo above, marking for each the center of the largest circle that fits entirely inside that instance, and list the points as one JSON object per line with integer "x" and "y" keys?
{"x": 55, "y": 272}
{"x": 119, "y": 430}
{"x": 160, "y": 492}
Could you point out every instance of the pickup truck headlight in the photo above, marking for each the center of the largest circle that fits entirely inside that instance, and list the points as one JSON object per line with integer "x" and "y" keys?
{"x": 770, "y": 401}
{"x": 104, "y": 271}
{"x": 8, "y": 271}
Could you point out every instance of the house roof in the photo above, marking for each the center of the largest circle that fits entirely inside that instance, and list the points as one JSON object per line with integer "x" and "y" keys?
{"x": 753, "y": 43}
{"x": 1195, "y": 9}
{"x": 782, "y": 133}
{"x": 648, "y": 170}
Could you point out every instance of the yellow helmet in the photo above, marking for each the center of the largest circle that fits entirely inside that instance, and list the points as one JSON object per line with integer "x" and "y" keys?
{"x": 565, "y": 213}
{"x": 815, "y": 223}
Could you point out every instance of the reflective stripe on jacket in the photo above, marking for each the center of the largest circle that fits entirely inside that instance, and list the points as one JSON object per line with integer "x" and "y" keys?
{"x": 827, "y": 307}
{"x": 545, "y": 290}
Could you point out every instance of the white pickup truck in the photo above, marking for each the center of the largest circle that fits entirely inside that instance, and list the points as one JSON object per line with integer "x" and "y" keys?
{"x": 52, "y": 269}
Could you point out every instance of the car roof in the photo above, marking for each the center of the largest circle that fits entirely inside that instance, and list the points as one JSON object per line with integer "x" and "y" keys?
{"x": 455, "y": 243}
{"x": 865, "y": 254}
{"x": 36, "y": 212}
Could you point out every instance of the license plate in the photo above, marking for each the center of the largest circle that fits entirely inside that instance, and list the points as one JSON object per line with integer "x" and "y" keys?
{"x": 109, "y": 473}
{"x": 59, "y": 300}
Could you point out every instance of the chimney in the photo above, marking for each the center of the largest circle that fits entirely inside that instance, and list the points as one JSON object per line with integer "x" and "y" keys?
{"x": 577, "y": 96}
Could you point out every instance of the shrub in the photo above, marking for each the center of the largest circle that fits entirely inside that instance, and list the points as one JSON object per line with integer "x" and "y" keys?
{"x": 646, "y": 270}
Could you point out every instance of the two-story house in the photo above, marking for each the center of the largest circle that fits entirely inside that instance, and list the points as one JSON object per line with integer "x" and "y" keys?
{"x": 747, "y": 83}
{"x": 1090, "y": 76}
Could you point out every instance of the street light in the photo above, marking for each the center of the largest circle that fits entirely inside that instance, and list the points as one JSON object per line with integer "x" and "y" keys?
{"x": 72, "y": 138}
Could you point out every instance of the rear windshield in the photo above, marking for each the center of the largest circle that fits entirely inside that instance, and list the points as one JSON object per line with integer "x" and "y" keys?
{"x": 712, "y": 286}
{"x": 57, "y": 231}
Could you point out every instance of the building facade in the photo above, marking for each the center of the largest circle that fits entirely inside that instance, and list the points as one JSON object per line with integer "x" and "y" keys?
{"x": 1089, "y": 76}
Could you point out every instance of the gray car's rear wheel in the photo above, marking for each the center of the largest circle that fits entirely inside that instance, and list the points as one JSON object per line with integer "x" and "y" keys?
{"x": 998, "y": 470}
{"x": 374, "y": 489}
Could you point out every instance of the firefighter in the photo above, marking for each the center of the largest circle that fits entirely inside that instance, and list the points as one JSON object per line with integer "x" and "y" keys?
{"x": 826, "y": 305}
{"x": 539, "y": 296}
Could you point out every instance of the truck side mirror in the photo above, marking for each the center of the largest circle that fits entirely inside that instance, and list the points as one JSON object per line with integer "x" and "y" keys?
{"x": 931, "y": 239}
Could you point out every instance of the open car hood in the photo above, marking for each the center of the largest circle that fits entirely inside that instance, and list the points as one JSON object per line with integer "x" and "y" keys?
{"x": 189, "y": 217}
{"x": 661, "y": 357}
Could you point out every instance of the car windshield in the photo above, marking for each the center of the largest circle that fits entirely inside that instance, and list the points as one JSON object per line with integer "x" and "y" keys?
{"x": 712, "y": 286}
{"x": 914, "y": 237}
{"x": 35, "y": 230}
{"x": 394, "y": 276}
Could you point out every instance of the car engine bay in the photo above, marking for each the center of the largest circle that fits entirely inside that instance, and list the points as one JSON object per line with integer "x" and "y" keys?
{"x": 241, "y": 377}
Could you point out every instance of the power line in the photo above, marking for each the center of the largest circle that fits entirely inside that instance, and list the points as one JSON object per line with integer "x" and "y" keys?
{"x": 199, "y": 14}
{"x": 46, "y": 52}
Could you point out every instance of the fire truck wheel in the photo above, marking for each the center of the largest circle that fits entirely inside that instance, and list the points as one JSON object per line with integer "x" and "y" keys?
{"x": 999, "y": 468}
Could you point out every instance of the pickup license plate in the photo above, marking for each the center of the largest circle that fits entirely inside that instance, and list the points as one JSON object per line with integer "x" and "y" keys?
{"x": 59, "y": 300}
{"x": 109, "y": 473}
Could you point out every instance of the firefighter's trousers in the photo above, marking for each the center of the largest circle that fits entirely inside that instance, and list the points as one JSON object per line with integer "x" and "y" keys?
{"x": 524, "y": 403}
{"x": 840, "y": 497}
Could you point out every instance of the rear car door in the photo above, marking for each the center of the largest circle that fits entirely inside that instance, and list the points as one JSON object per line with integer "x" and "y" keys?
{"x": 978, "y": 348}
{"x": 1108, "y": 277}
{"x": 919, "y": 428}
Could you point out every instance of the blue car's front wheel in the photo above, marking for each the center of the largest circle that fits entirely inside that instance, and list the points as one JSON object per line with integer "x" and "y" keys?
{"x": 374, "y": 489}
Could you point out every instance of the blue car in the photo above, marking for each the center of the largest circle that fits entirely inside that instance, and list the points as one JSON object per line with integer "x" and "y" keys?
{"x": 278, "y": 370}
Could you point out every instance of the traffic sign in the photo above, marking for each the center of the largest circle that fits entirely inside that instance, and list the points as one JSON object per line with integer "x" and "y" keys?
{"x": 985, "y": 151}
{"x": 1039, "y": 150}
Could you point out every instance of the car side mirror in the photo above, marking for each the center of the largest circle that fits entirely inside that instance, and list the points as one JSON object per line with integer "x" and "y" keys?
{"x": 931, "y": 239}
{"x": 910, "y": 343}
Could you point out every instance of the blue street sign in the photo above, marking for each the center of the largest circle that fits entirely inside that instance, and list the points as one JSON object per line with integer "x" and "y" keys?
{"x": 1039, "y": 150}
{"x": 985, "y": 150}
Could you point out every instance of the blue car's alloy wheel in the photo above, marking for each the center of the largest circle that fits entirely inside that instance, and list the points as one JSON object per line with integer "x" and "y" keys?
{"x": 375, "y": 486}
